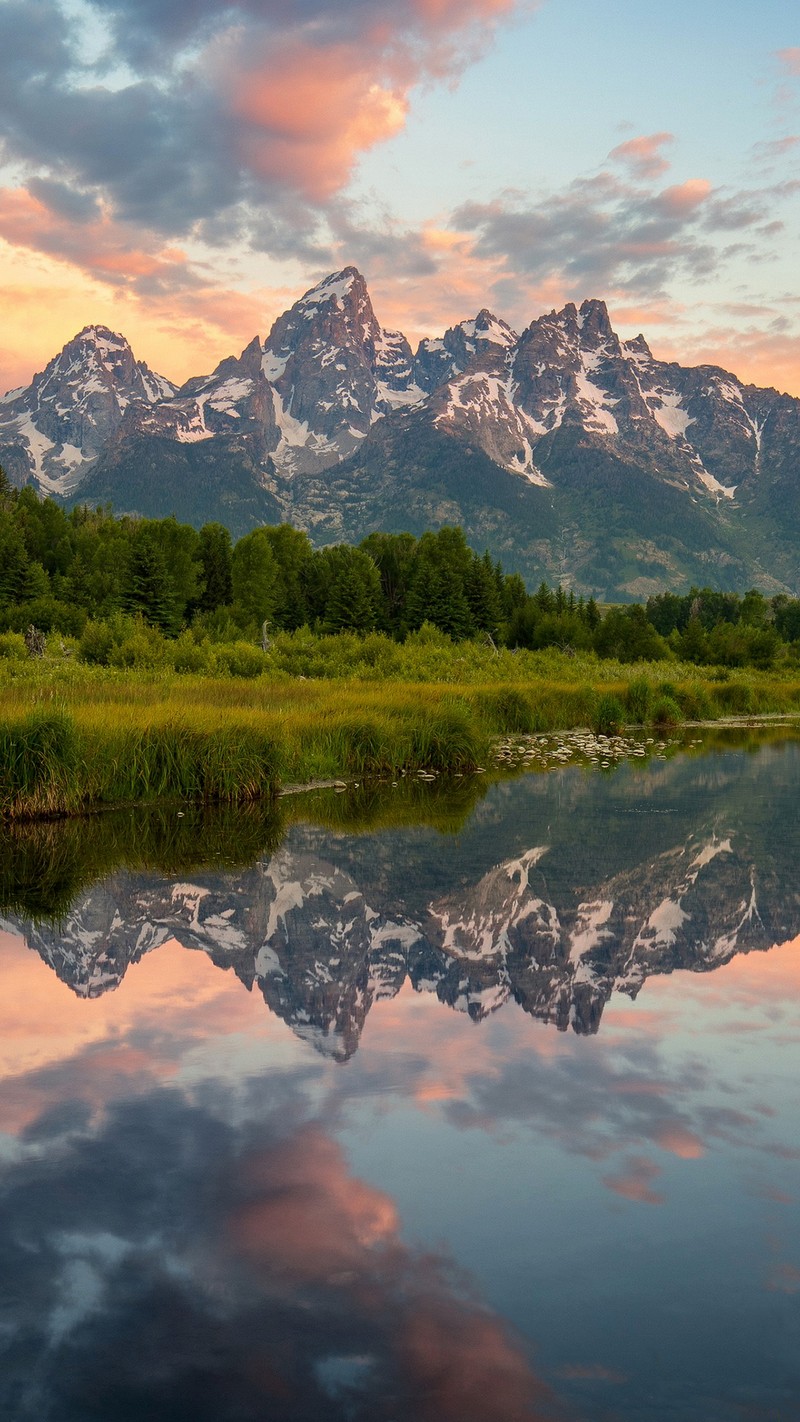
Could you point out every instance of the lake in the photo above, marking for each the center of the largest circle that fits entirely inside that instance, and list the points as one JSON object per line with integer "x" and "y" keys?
{"x": 459, "y": 1102}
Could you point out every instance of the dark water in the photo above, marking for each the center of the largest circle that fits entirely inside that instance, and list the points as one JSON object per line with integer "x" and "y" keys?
{"x": 455, "y": 1105}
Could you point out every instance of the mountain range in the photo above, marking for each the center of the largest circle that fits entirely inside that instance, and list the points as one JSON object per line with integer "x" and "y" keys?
{"x": 571, "y": 454}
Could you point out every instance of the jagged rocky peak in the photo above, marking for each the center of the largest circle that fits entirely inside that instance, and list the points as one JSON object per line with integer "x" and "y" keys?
{"x": 440, "y": 359}
{"x": 334, "y": 371}
{"x": 637, "y": 350}
{"x": 595, "y": 326}
{"x": 484, "y": 329}
{"x": 566, "y": 336}
{"x": 236, "y": 398}
{"x": 95, "y": 363}
{"x": 66, "y": 416}
{"x": 336, "y": 315}
{"x": 571, "y": 368}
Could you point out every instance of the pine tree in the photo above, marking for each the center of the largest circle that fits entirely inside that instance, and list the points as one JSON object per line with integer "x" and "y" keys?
{"x": 14, "y": 562}
{"x": 254, "y": 577}
{"x": 350, "y": 607}
{"x": 293, "y": 554}
{"x": 352, "y": 589}
{"x": 216, "y": 556}
{"x": 7, "y": 491}
{"x": 482, "y": 596}
{"x": 449, "y": 610}
{"x": 421, "y": 594}
{"x": 148, "y": 588}
{"x": 544, "y": 597}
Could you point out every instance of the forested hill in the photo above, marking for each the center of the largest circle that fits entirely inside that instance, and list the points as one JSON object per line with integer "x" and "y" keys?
{"x": 96, "y": 578}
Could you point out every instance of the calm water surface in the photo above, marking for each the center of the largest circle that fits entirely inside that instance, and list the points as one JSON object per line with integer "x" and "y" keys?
{"x": 484, "y": 1109}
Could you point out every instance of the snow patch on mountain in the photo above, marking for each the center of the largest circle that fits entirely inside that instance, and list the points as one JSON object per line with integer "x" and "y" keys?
{"x": 332, "y": 288}
{"x": 590, "y": 930}
{"x": 596, "y": 403}
{"x": 670, "y": 413}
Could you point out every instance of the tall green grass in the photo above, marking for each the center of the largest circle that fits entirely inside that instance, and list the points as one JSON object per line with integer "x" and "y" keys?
{"x": 75, "y": 736}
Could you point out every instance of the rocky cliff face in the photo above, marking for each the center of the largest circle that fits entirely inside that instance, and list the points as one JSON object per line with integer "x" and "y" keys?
{"x": 334, "y": 372}
{"x": 650, "y": 472}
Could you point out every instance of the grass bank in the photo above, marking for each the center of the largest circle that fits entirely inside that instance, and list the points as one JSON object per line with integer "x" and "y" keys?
{"x": 75, "y": 737}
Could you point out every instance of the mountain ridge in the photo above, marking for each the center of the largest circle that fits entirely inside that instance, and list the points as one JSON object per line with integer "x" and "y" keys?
{"x": 629, "y": 474}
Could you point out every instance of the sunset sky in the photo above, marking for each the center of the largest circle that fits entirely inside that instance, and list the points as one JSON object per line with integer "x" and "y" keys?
{"x": 182, "y": 170}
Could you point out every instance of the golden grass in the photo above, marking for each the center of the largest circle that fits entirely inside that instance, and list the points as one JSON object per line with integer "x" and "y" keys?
{"x": 73, "y": 736}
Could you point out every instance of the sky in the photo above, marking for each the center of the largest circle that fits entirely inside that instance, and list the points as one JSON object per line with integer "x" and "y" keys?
{"x": 182, "y": 170}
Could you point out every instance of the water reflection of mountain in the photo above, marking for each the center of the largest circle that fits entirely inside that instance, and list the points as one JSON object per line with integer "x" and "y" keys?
{"x": 559, "y": 891}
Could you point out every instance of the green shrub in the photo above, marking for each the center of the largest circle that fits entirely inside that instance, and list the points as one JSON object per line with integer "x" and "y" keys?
{"x": 96, "y": 643}
{"x": 240, "y": 659}
{"x": 666, "y": 712}
{"x": 639, "y": 697}
{"x": 12, "y": 646}
{"x": 144, "y": 649}
{"x": 189, "y": 655}
{"x": 609, "y": 715}
{"x": 428, "y": 636}
{"x": 48, "y": 614}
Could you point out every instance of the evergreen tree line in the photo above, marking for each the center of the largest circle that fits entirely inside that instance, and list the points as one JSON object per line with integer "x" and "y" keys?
{"x": 60, "y": 570}
{"x": 702, "y": 626}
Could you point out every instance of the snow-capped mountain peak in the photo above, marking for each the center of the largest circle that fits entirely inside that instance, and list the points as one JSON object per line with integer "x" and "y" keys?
{"x": 566, "y": 406}
{"x": 52, "y": 428}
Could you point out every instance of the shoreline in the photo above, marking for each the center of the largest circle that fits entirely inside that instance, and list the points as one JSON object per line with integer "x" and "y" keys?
{"x": 631, "y": 743}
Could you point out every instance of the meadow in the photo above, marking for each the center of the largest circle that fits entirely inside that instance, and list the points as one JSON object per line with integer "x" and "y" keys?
{"x": 76, "y": 736}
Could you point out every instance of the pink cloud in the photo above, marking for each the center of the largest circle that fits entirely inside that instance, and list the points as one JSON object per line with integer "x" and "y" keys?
{"x": 643, "y": 156}
{"x": 307, "y": 1216}
{"x": 683, "y": 198}
{"x": 790, "y": 60}
{"x": 308, "y": 1220}
{"x": 307, "y": 114}
{"x": 103, "y": 248}
{"x": 681, "y": 1142}
{"x": 306, "y": 110}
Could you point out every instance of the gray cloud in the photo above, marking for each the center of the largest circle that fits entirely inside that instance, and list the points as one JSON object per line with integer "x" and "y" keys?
{"x": 65, "y": 201}
{"x": 603, "y": 233}
{"x": 170, "y": 150}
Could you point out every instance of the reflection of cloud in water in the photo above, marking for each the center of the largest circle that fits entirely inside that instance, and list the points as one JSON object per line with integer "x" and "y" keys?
{"x": 172, "y": 1265}
{"x": 180, "y": 1020}
{"x": 635, "y": 1181}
